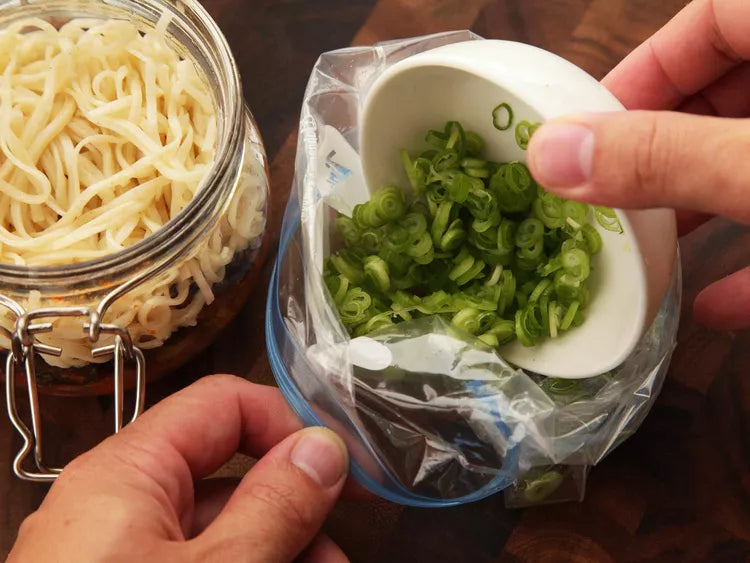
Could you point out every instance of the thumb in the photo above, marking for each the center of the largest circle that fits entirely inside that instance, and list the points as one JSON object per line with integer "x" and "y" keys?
{"x": 647, "y": 159}
{"x": 281, "y": 503}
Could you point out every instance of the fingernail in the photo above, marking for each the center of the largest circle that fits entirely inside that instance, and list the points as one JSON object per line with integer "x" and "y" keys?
{"x": 322, "y": 455}
{"x": 561, "y": 155}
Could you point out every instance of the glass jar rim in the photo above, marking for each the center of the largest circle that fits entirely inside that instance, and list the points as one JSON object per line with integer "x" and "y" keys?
{"x": 196, "y": 22}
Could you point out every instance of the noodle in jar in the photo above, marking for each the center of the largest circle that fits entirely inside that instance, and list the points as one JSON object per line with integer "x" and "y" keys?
{"x": 106, "y": 134}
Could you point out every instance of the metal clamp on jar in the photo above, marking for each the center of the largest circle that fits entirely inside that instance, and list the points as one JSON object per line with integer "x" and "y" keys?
{"x": 157, "y": 302}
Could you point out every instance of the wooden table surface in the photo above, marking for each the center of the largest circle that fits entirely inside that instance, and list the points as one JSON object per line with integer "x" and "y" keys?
{"x": 678, "y": 490}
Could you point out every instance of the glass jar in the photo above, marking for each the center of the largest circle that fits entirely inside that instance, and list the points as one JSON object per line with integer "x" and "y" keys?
{"x": 175, "y": 290}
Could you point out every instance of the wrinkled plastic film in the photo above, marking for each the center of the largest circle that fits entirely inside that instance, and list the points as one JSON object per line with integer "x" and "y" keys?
{"x": 431, "y": 414}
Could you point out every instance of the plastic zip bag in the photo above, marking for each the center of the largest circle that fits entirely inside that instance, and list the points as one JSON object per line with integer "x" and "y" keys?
{"x": 431, "y": 415}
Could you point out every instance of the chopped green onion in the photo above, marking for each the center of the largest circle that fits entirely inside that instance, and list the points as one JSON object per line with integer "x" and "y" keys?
{"x": 425, "y": 258}
{"x": 467, "y": 319}
{"x": 481, "y": 203}
{"x": 365, "y": 216}
{"x": 484, "y": 239}
{"x": 474, "y": 144}
{"x": 553, "y": 265}
{"x": 529, "y": 258}
{"x": 478, "y": 172}
{"x": 542, "y": 487}
{"x": 501, "y": 332}
{"x": 346, "y": 265}
{"x": 528, "y": 331}
{"x": 478, "y": 242}
{"x": 607, "y": 218}
{"x": 524, "y": 131}
{"x": 593, "y": 238}
{"x": 369, "y": 240}
{"x": 376, "y": 272}
{"x": 416, "y": 170}
{"x": 389, "y": 204}
{"x": 507, "y": 293}
{"x": 529, "y": 232}
{"x": 440, "y": 221}
{"x": 575, "y": 262}
{"x": 445, "y": 160}
{"x": 575, "y": 211}
{"x": 420, "y": 245}
{"x": 453, "y": 237}
{"x": 495, "y": 276}
{"x": 348, "y": 229}
{"x": 436, "y": 138}
{"x": 569, "y": 315}
{"x": 553, "y": 314}
{"x": 459, "y": 187}
{"x": 466, "y": 269}
{"x": 548, "y": 209}
{"x": 568, "y": 288}
{"x": 397, "y": 237}
{"x": 337, "y": 286}
{"x": 502, "y": 117}
{"x": 506, "y": 236}
{"x": 353, "y": 308}
{"x": 562, "y": 386}
{"x": 541, "y": 289}
{"x": 376, "y": 322}
{"x": 415, "y": 224}
{"x": 470, "y": 162}
{"x": 398, "y": 262}
{"x": 456, "y": 138}
{"x": 438, "y": 302}
{"x": 514, "y": 187}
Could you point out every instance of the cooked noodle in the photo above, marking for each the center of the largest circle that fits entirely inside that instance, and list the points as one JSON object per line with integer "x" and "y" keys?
{"x": 106, "y": 134}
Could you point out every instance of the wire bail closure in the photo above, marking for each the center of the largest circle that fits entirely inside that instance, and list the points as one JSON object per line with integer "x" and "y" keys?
{"x": 24, "y": 346}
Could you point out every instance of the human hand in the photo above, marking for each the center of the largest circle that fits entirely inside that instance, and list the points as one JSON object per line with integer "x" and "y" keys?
{"x": 695, "y": 159}
{"x": 141, "y": 495}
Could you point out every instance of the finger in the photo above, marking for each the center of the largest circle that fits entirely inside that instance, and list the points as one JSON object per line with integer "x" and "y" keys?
{"x": 223, "y": 488}
{"x": 184, "y": 438}
{"x": 211, "y": 495}
{"x": 697, "y": 105}
{"x": 688, "y": 221}
{"x": 701, "y": 43}
{"x": 214, "y": 418}
{"x": 725, "y": 304}
{"x": 727, "y": 97}
{"x": 323, "y": 550}
{"x": 355, "y": 492}
{"x": 647, "y": 159}
{"x": 282, "y": 502}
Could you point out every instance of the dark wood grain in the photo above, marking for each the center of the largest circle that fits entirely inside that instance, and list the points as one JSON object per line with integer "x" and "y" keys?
{"x": 679, "y": 490}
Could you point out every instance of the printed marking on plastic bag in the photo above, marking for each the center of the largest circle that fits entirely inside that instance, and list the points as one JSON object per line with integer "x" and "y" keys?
{"x": 340, "y": 181}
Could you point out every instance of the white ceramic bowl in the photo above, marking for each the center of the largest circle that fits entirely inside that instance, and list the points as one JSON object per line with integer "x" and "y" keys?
{"x": 464, "y": 82}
